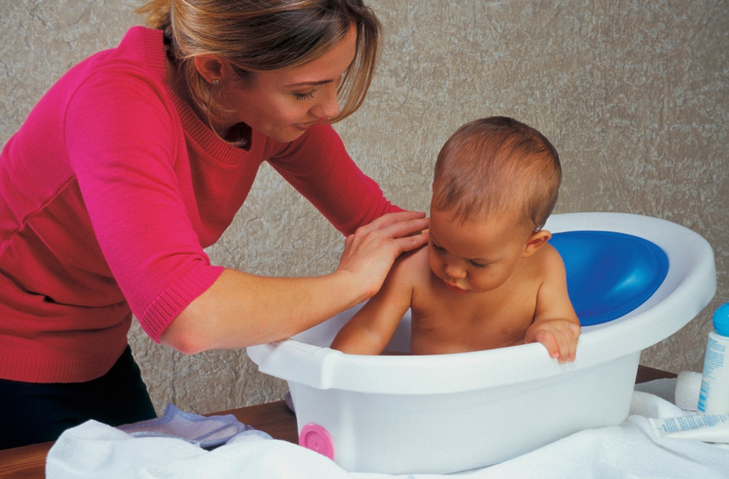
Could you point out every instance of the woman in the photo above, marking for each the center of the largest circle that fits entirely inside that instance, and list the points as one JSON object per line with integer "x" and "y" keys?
{"x": 137, "y": 159}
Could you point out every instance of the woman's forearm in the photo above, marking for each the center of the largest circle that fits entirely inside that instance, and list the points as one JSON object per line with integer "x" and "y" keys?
{"x": 241, "y": 310}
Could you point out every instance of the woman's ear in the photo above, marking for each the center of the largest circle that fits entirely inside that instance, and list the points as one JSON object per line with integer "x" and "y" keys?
{"x": 536, "y": 241}
{"x": 211, "y": 68}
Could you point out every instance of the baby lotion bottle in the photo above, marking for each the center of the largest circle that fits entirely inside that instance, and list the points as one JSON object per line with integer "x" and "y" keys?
{"x": 714, "y": 396}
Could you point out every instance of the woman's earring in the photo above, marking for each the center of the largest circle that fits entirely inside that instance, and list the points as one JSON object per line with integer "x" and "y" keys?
{"x": 215, "y": 82}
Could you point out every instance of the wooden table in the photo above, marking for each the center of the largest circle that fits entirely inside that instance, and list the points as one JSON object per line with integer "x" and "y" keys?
{"x": 274, "y": 418}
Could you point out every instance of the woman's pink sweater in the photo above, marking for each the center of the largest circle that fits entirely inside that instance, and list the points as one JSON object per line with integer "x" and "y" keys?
{"x": 108, "y": 194}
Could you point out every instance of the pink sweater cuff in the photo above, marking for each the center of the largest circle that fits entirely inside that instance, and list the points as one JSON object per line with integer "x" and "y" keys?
{"x": 174, "y": 299}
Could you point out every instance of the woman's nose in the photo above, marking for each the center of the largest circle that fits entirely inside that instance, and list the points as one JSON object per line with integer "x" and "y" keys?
{"x": 328, "y": 107}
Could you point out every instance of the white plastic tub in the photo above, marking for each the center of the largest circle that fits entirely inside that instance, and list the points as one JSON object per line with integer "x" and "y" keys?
{"x": 447, "y": 413}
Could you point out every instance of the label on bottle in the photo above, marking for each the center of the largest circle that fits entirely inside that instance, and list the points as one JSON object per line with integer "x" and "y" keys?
{"x": 714, "y": 395}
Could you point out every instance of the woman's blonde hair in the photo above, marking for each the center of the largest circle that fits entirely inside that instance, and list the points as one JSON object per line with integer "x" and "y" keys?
{"x": 264, "y": 35}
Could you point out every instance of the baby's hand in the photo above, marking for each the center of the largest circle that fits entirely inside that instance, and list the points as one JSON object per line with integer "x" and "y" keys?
{"x": 559, "y": 336}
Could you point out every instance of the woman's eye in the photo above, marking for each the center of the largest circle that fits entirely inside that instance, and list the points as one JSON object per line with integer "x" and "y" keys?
{"x": 304, "y": 96}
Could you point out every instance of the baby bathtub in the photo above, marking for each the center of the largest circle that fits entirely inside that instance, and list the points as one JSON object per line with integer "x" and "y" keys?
{"x": 447, "y": 413}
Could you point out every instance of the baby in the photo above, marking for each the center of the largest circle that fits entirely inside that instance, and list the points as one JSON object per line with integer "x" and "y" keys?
{"x": 487, "y": 278}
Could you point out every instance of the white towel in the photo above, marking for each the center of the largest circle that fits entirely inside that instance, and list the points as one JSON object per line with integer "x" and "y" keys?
{"x": 95, "y": 450}
{"x": 630, "y": 450}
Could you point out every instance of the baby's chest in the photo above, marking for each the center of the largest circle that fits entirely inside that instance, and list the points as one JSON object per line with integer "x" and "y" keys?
{"x": 507, "y": 316}
{"x": 472, "y": 323}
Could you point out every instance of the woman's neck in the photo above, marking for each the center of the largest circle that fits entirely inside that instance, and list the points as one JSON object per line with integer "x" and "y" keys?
{"x": 239, "y": 134}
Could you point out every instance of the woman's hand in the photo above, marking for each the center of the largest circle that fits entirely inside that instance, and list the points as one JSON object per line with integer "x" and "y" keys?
{"x": 370, "y": 252}
{"x": 241, "y": 309}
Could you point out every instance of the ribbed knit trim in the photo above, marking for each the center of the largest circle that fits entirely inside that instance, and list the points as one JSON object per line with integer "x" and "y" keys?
{"x": 168, "y": 305}
{"x": 36, "y": 370}
{"x": 202, "y": 135}
{"x": 198, "y": 131}
{"x": 155, "y": 52}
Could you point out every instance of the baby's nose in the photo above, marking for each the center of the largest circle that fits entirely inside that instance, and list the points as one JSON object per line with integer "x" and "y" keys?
{"x": 454, "y": 271}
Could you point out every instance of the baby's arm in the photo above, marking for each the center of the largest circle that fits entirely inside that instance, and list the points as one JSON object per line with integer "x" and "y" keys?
{"x": 369, "y": 331}
{"x": 555, "y": 323}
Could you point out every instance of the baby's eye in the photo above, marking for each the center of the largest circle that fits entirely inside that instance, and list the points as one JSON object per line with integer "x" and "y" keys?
{"x": 305, "y": 96}
{"x": 477, "y": 265}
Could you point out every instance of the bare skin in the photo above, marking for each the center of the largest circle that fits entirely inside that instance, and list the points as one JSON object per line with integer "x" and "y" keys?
{"x": 242, "y": 309}
{"x": 478, "y": 285}
{"x": 282, "y": 104}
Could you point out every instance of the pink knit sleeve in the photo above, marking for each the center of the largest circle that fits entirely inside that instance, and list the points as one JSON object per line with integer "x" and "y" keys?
{"x": 128, "y": 156}
{"x": 320, "y": 168}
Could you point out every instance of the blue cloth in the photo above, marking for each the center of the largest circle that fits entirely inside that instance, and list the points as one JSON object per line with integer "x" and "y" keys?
{"x": 204, "y": 431}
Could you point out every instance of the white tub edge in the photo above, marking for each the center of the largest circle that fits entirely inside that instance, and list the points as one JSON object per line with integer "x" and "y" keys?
{"x": 677, "y": 301}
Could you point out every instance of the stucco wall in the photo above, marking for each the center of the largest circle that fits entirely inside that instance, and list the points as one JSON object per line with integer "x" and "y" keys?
{"x": 633, "y": 94}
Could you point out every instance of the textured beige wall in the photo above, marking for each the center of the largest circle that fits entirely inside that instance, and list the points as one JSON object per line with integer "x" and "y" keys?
{"x": 633, "y": 94}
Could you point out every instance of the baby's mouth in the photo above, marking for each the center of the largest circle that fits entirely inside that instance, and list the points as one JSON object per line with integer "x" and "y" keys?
{"x": 455, "y": 288}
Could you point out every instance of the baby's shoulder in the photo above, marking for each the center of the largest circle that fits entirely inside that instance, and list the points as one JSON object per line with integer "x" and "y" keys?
{"x": 547, "y": 260}
{"x": 549, "y": 253}
{"x": 412, "y": 262}
{"x": 410, "y": 268}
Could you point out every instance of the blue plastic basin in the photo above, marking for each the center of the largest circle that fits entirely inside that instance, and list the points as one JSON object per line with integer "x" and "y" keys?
{"x": 609, "y": 274}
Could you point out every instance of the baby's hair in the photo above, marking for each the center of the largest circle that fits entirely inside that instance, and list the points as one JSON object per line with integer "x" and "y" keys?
{"x": 497, "y": 165}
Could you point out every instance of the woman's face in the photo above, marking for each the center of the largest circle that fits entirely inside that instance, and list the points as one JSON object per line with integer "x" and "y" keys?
{"x": 283, "y": 104}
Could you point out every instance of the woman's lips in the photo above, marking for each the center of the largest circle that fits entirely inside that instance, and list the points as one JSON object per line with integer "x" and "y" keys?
{"x": 306, "y": 126}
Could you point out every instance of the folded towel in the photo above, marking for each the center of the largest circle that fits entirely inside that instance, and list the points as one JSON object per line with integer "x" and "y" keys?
{"x": 630, "y": 450}
{"x": 95, "y": 450}
{"x": 682, "y": 391}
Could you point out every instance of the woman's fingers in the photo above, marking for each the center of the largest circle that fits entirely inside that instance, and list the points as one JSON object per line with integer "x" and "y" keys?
{"x": 372, "y": 249}
{"x": 412, "y": 241}
{"x": 391, "y": 218}
{"x": 402, "y": 230}
{"x": 397, "y": 224}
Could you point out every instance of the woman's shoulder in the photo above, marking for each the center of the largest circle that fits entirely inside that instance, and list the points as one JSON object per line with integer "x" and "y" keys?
{"x": 137, "y": 60}
{"x": 130, "y": 76}
{"x": 139, "y": 55}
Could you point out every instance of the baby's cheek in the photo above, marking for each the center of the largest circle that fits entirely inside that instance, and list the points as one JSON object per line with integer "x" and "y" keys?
{"x": 486, "y": 280}
{"x": 435, "y": 265}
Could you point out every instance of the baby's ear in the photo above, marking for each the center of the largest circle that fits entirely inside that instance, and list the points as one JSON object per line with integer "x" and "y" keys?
{"x": 536, "y": 241}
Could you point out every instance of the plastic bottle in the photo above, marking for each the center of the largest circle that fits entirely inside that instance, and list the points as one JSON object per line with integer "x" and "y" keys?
{"x": 714, "y": 397}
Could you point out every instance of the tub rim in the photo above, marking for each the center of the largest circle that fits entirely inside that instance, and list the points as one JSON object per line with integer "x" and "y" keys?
{"x": 688, "y": 287}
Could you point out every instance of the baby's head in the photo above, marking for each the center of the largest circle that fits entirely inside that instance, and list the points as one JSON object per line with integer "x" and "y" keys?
{"x": 495, "y": 185}
{"x": 497, "y": 166}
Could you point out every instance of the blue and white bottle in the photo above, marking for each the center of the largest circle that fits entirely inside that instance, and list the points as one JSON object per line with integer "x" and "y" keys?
{"x": 714, "y": 397}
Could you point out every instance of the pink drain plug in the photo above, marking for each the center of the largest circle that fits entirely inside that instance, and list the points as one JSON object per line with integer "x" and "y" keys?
{"x": 316, "y": 438}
